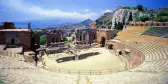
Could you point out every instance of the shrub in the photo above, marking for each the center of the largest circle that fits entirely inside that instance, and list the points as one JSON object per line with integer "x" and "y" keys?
{"x": 142, "y": 18}
{"x": 162, "y": 19}
{"x": 162, "y": 14}
{"x": 64, "y": 39}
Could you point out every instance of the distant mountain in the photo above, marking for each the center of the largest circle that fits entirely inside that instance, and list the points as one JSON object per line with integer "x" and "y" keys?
{"x": 86, "y": 22}
{"x": 164, "y": 9}
{"x": 53, "y": 24}
{"x": 38, "y": 24}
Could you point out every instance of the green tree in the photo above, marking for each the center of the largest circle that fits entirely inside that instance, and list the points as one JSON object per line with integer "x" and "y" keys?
{"x": 142, "y": 18}
{"x": 119, "y": 26}
{"x": 139, "y": 7}
{"x": 162, "y": 14}
{"x": 43, "y": 40}
{"x": 162, "y": 19}
{"x": 64, "y": 39}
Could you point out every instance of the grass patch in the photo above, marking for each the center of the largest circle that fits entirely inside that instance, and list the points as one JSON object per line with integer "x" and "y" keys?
{"x": 1, "y": 82}
{"x": 156, "y": 31}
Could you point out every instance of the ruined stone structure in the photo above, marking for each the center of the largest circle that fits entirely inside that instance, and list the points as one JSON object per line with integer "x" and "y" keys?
{"x": 93, "y": 25}
{"x": 85, "y": 36}
{"x": 20, "y": 37}
{"x": 8, "y": 25}
{"x": 11, "y": 36}
{"x": 105, "y": 34}
{"x": 53, "y": 36}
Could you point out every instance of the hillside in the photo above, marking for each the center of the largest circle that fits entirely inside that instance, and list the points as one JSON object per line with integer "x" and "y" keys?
{"x": 104, "y": 19}
{"x": 123, "y": 15}
{"x": 164, "y": 9}
{"x": 85, "y": 23}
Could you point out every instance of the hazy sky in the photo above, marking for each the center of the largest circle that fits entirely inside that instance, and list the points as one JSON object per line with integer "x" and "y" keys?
{"x": 19, "y": 10}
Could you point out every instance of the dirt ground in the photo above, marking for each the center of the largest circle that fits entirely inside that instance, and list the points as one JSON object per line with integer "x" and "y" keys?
{"x": 104, "y": 60}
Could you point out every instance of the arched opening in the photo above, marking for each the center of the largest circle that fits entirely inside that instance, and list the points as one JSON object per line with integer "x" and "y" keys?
{"x": 103, "y": 40}
{"x": 120, "y": 52}
{"x": 157, "y": 24}
{"x": 33, "y": 43}
{"x": 110, "y": 47}
{"x": 53, "y": 40}
{"x": 83, "y": 36}
{"x": 80, "y": 37}
{"x": 94, "y": 36}
{"x": 73, "y": 38}
{"x": 12, "y": 41}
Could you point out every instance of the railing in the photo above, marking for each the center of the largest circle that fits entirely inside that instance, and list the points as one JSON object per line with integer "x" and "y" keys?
{"x": 84, "y": 72}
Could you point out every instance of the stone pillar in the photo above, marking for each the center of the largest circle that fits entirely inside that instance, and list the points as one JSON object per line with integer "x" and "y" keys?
{"x": 29, "y": 27}
{"x": 87, "y": 38}
{"x": 76, "y": 37}
{"x": 82, "y": 38}
{"x": 76, "y": 57}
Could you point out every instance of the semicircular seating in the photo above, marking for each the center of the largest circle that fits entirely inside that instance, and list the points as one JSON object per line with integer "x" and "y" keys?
{"x": 153, "y": 70}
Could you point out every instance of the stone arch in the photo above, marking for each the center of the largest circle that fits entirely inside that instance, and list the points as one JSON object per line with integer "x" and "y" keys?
{"x": 12, "y": 41}
{"x": 94, "y": 36}
{"x": 157, "y": 24}
{"x": 52, "y": 39}
{"x": 103, "y": 40}
{"x": 80, "y": 37}
{"x": 84, "y": 35}
{"x": 120, "y": 52}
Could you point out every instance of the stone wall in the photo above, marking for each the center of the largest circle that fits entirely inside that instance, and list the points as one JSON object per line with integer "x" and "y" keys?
{"x": 148, "y": 23}
{"x": 52, "y": 37}
{"x": 85, "y": 36}
{"x": 20, "y": 38}
{"x": 8, "y": 25}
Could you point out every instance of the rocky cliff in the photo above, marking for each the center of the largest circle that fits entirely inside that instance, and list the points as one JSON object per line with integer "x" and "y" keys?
{"x": 125, "y": 15}
{"x": 120, "y": 15}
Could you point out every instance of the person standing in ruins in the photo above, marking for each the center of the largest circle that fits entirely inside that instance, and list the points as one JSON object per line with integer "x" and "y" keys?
{"x": 35, "y": 56}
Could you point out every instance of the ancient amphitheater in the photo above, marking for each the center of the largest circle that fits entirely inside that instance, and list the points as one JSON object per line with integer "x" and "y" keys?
{"x": 147, "y": 64}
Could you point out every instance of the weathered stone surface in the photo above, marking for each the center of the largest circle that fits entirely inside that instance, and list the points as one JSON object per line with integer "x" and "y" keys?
{"x": 124, "y": 16}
